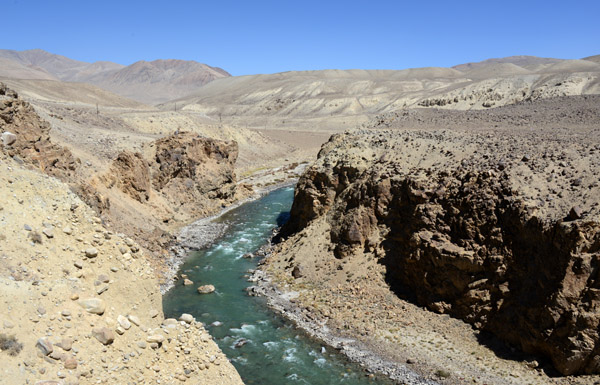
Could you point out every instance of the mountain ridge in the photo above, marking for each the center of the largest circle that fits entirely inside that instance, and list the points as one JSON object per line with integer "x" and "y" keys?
{"x": 148, "y": 82}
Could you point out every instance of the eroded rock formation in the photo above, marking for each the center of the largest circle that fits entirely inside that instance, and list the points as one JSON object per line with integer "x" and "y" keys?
{"x": 26, "y": 136}
{"x": 190, "y": 172}
{"x": 189, "y": 168}
{"x": 500, "y": 229}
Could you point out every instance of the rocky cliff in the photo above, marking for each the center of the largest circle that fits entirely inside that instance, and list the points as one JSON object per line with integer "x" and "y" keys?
{"x": 26, "y": 137}
{"x": 498, "y": 228}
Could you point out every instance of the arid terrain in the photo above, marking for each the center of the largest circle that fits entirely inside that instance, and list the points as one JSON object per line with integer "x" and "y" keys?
{"x": 497, "y": 226}
{"x": 449, "y": 225}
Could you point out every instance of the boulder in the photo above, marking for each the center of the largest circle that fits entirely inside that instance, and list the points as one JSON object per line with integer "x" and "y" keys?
{"x": 206, "y": 289}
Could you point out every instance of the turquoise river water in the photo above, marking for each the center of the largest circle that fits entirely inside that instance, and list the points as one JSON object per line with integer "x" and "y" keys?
{"x": 275, "y": 352}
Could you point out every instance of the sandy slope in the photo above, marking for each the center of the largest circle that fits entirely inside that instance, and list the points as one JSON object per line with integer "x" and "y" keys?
{"x": 331, "y": 99}
{"x": 46, "y": 281}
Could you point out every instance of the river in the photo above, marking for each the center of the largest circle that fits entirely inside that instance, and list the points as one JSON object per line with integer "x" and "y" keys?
{"x": 264, "y": 348}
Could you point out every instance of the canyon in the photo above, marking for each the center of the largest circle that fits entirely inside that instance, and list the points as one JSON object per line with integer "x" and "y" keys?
{"x": 445, "y": 219}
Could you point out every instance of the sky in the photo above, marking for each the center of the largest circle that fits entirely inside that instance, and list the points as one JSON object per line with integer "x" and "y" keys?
{"x": 254, "y": 36}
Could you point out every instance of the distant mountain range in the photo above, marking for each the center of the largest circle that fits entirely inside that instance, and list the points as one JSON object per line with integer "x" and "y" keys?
{"x": 304, "y": 95}
{"x": 309, "y": 98}
{"x": 148, "y": 82}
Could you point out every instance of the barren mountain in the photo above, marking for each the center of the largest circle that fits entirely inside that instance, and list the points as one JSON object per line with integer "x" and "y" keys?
{"x": 59, "y": 66}
{"x": 333, "y": 99}
{"x": 147, "y": 82}
{"x": 14, "y": 69}
{"x": 67, "y": 92}
{"x": 532, "y": 63}
{"x": 156, "y": 81}
{"x": 595, "y": 59}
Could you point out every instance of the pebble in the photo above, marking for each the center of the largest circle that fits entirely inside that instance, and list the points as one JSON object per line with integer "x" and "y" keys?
{"x": 187, "y": 318}
{"x": 91, "y": 252}
{"x": 48, "y": 232}
{"x": 67, "y": 230}
{"x": 70, "y": 363}
{"x": 93, "y": 305}
{"x": 104, "y": 335}
{"x": 575, "y": 213}
{"x": 66, "y": 344}
{"x": 124, "y": 322}
{"x": 102, "y": 289}
{"x": 45, "y": 346}
{"x": 134, "y": 320}
{"x": 157, "y": 338}
{"x": 8, "y": 138}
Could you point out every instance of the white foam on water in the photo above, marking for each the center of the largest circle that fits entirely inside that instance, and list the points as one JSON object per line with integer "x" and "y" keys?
{"x": 320, "y": 362}
{"x": 296, "y": 378}
{"x": 245, "y": 329}
{"x": 240, "y": 359}
{"x": 271, "y": 345}
{"x": 290, "y": 355}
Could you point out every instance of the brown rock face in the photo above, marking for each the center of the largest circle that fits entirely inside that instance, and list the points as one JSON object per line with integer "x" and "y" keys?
{"x": 130, "y": 172}
{"x": 464, "y": 224}
{"x": 32, "y": 143}
{"x": 189, "y": 169}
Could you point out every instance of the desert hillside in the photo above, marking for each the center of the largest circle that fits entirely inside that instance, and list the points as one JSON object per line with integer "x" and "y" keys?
{"x": 147, "y": 82}
{"x": 64, "y": 272}
{"x": 448, "y": 220}
{"x": 333, "y": 99}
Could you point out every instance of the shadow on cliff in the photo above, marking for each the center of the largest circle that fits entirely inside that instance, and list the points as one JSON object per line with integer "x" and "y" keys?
{"x": 282, "y": 218}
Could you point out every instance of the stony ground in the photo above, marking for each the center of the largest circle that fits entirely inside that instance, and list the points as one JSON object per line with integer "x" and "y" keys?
{"x": 80, "y": 303}
{"x": 334, "y": 264}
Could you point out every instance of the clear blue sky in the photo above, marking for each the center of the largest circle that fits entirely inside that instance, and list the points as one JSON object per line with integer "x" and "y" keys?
{"x": 253, "y": 36}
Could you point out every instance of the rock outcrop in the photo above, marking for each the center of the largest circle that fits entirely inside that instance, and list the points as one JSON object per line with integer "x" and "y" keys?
{"x": 26, "y": 136}
{"x": 131, "y": 174}
{"x": 500, "y": 229}
{"x": 190, "y": 169}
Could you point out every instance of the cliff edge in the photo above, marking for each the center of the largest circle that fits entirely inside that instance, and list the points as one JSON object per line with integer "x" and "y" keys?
{"x": 500, "y": 228}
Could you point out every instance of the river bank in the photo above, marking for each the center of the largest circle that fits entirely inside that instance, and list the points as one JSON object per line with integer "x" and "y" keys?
{"x": 203, "y": 232}
{"x": 431, "y": 350}
{"x": 264, "y": 348}
{"x": 357, "y": 351}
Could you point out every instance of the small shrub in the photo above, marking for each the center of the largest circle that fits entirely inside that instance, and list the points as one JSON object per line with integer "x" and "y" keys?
{"x": 35, "y": 237}
{"x": 10, "y": 344}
